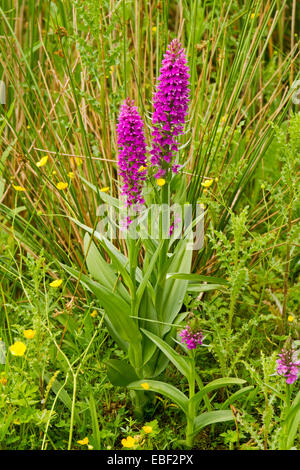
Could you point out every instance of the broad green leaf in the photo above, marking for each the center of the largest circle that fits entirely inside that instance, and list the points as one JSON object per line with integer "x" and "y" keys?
{"x": 120, "y": 373}
{"x": 214, "y": 385}
{"x": 211, "y": 417}
{"x": 118, "y": 260}
{"x": 196, "y": 278}
{"x": 170, "y": 294}
{"x": 95, "y": 423}
{"x": 235, "y": 396}
{"x": 204, "y": 287}
{"x": 101, "y": 270}
{"x": 147, "y": 275}
{"x": 116, "y": 309}
{"x": 180, "y": 362}
{"x": 165, "y": 389}
{"x": 292, "y": 421}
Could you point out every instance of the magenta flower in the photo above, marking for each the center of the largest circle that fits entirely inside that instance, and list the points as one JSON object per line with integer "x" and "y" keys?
{"x": 170, "y": 108}
{"x": 132, "y": 157}
{"x": 191, "y": 337}
{"x": 288, "y": 365}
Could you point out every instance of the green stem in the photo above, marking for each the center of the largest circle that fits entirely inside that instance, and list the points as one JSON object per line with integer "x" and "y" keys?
{"x": 191, "y": 407}
{"x": 165, "y": 199}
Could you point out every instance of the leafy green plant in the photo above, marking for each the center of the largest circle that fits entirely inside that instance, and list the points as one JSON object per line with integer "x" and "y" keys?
{"x": 190, "y": 405}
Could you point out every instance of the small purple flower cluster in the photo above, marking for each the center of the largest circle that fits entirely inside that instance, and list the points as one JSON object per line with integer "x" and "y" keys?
{"x": 174, "y": 225}
{"x": 132, "y": 157}
{"x": 288, "y": 365}
{"x": 192, "y": 338}
{"x": 170, "y": 108}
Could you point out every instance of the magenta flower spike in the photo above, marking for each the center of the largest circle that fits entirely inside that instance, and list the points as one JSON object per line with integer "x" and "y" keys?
{"x": 170, "y": 108}
{"x": 191, "y": 337}
{"x": 288, "y": 365}
{"x": 132, "y": 156}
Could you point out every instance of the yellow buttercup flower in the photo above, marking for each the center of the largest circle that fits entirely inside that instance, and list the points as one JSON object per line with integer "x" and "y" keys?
{"x": 147, "y": 429}
{"x": 84, "y": 441}
{"x": 145, "y": 386}
{"x": 3, "y": 381}
{"x": 62, "y": 185}
{"x": 42, "y": 161}
{"x": 29, "y": 334}
{"x": 207, "y": 183}
{"x": 104, "y": 190}
{"x": 128, "y": 442}
{"x": 290, "y": 318}
{"x": 78, "y": 161}
{"x": 161, "y": 181}
{"x": 56, "y": 283}
{"x": 94, "y": 313}
{"x": 18, "y": 348}
{"x": 71, "y": 174}
{"x": 18, "y": 188}
{"x": 154, "y": 29}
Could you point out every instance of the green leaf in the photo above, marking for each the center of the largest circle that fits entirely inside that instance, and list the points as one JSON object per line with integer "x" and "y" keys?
{"x": 120, "y": 373}
{"x": 170, "y": 293}
{"x": 95, "y": 423}
{"x": 101, "y": 270}
{"x": 147, "y": 275}
{"x": 164, "y": 389}
{"x": 214, "y": 385}
{"x": 180, "y": 362}
{"x": 211, "y": 417}
{"x": 196, "y": 278}
{"x": 204, "y": 287}
{"x": 116, "y": 308}
{"x": 236, "y": 396}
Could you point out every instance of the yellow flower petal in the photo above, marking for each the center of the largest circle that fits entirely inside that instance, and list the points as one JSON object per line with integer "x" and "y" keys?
{"x": 94, "y": 313}
{"x": 129, "y": 442}
{"x": 42, "y": 161}
{"x": 154, "y": 29}
{"x": 145, "y": 386}
{"x": 84, "y": 441}
{"x": 3, "y": 381}
{"x": 104, "y": 190}
{"x": 290, "y": 318}
{"x": 18, "y": 188}
{"x": 18, "y": 348}
{"x": 147, "y": 429}
{"x": 56, "y": 283}
{"x": 207, "y": 183}
{"x": 71, "y": 174}
{"x": 62, "y": 185}
{"x": 29, "y": 334}
{"x": 161, "y": 181}
{"x": 142, "y": 168}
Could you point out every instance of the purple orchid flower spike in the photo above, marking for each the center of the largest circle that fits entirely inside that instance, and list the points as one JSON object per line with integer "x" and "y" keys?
{"x": 170, "y": 108}
{"x": 132, "y": 156}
